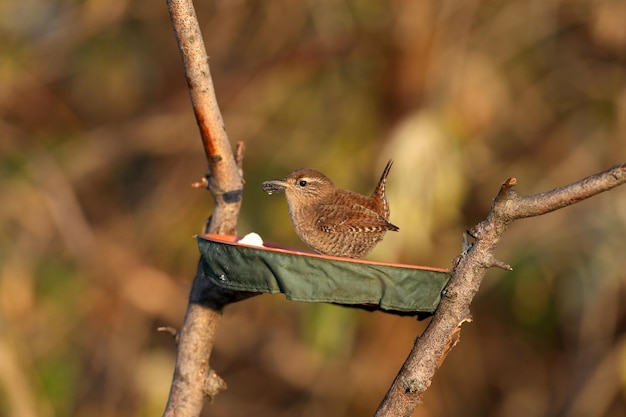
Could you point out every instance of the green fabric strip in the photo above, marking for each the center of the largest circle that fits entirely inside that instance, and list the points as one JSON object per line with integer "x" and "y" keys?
{"x": 302, "y": 277}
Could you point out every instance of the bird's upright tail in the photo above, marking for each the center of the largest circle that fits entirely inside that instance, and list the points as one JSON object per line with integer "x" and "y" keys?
{"x": 379, "y": 192}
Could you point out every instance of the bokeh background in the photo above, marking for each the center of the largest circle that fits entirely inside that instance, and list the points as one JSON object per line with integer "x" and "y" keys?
{"x": 98, "y": 148}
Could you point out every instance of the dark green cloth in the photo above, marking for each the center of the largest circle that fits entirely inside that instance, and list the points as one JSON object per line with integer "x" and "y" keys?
{"x": 304, "y": 277}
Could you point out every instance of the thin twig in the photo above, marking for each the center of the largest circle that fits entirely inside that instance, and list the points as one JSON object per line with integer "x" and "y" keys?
{"x": 442, "y": 332}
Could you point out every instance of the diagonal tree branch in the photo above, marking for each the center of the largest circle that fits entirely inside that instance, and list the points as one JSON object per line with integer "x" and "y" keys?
{"x": 442, "y": 333}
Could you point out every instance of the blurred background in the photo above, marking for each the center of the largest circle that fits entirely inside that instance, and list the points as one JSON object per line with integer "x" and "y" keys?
{"x": 98, "y": 148}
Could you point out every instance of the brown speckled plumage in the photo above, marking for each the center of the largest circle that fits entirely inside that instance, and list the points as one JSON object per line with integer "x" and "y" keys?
{"x": 333, "y": 221}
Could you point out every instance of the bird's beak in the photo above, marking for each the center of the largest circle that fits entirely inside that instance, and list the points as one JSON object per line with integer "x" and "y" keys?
{"x": 274, "y": 186}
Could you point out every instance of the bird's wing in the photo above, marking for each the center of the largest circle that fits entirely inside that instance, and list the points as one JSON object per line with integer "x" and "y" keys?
{"x": 336, "y": 219}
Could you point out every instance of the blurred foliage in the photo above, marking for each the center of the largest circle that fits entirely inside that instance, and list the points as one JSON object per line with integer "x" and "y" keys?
{"x": 98, "y": 146}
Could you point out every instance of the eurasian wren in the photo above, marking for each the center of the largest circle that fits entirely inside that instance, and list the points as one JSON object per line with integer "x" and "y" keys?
{"x": 333, "y": 221}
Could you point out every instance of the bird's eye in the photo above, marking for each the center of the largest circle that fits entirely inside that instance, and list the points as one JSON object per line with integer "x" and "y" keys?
{"x": 302, "y": 183}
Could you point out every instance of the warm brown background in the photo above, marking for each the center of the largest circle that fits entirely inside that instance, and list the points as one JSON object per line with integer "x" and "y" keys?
{"x": 98, "y": 146}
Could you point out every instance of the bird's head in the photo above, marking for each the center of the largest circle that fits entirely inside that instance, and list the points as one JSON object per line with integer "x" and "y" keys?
{"x": 301, "y": 186}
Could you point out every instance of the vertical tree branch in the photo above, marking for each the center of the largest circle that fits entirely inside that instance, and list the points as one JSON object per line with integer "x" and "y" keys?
{"x": 193, "y": 379}
{"x": 224, "y": 179}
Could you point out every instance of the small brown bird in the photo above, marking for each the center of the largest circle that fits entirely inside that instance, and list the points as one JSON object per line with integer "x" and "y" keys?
{"x": 333, "y": 221}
